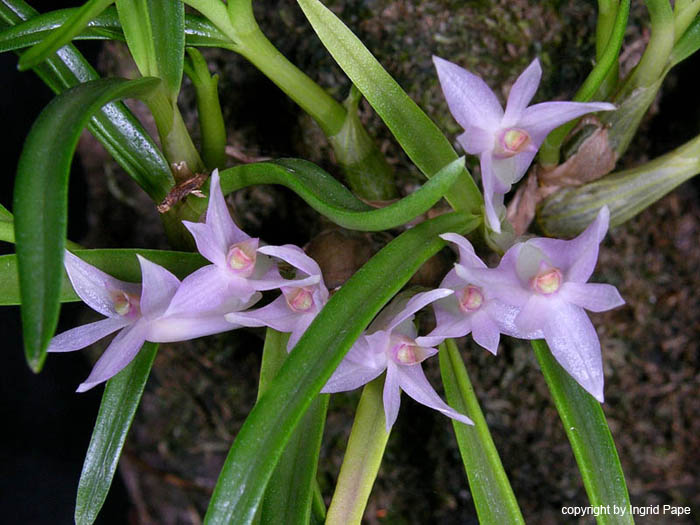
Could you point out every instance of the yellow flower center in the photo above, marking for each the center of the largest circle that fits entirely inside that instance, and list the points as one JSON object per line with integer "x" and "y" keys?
{"x": 241, "y": 258}
{"x": 125, "y": 304}
{"x": 547, "y": 282}
{"x": 511, "y": 142}
{"x": 299, "y": 299}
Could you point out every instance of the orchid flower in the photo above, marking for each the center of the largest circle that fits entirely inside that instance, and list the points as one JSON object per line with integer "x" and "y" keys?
{"x": 391, "y": 344}
{"x": 236, "y": 272}
{"x": 301, "y": 299}
{"x": 137, "y": 310}
{"x": 546, "y": 280}
{"x": 506, "y": 142}
{"x": 473, "y": 308}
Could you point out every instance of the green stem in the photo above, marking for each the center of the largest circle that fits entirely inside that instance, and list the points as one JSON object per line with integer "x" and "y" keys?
{"x": 607, "y": 10}
{"x": 585, "y": 426}
{"x": 684, "y": 12}
{"x": 363, "y": 456}
{"x": 493, "y": 496}
{"x": 211, "y": 120}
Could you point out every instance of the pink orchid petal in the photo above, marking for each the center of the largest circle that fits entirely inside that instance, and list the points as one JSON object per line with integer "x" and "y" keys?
{"x": 577, "y": 258}
{"x": 211, "y": 247}
{"x": 505, "y": 315}
{"x": 471, "y": 101}
{"x": 476, "y": 140}
{"x": 219, "y": 219}
{"x": 118, "y": 354}
{"x": 207, "y": 290}
{"x": 159, "y": 287}
{"x": 575, "y": 345}
{"x": 391, "y": 395}
{"x": 534, "y": 315}
{"x": 485, "y": 331}
{"x": 417, "y": 302}
{"x": 521, "y": 93}
{"x": 299, "y": 330}
{"x": 360, "y": 365}
{"x": 412, "y": 380}
{"x": 467, "y": 255}
{"x": 451, "y": 330}
{"x": 95, "y": 287}
{"x": 85, "y": 335}
{"x": 276, "y": 315}
{"x": 510, "y": 170}
{"x": 540, "y": 119}
{"x": 173, "y": 329}
{"x": 294, "y": 256}
{"x": 595, "y": 297}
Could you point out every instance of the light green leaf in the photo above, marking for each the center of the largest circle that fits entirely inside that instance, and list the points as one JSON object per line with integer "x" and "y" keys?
{"x": 688, "y": 44}
{"x": 488, "y": 483}
{"x": 419, "y": 137}
{"x": 119, "y": 403}
{"x": 590, "y": 438}
{"x": 333, "y": 200}
{"x": 269, "y": 425}
{"x": 41, "y": 201}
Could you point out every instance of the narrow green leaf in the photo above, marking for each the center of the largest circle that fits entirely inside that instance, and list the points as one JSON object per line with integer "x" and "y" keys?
{"x": 7, "y": 228}
{"x": 199, "y": 31}
{"x": 41, "y": 201}
{"x": 120, "y": 400}
{"x": 64, "y": 34}
{"x": 590, "y": 438}
{"x": 114, "y": 126}
{"x": 290, "y": 491}
{"x": 135, "y": 19}
{"x": 420, "y": 138}
{"x": 168, "y": 28}
{"x": 269, "y": 425}
{"x": 688, "y": 44}
{"x": 333, "y": 200}
{"x": 119, "y": 263}
{"x": 493, "y": 497}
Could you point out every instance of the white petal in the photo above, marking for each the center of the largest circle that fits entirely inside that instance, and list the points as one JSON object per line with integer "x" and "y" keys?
{"x": 574, "y": 344}
{"x": 471, "y": 101}
{"x": 118, "y": 354}
{"x": 391, "y": 395}
{"x": 357, "y": 368}
{"x": 276, "y": 315}
{"x": 413, "y": 381}
{"x": 158, "y": 288}
{"x": 476, "y": 140}
{"x": 219, "y": 219}
{"x": 95, "y": 287}
{"x": 521, "y": 93}
{"x": 173, "y": 329}
{"x": 487, "y": 180}
{"x": 510, "y": 170}
{"x": 417, "y": 302}
{"x": 85, "y": 335}
{"x": 485, "y": 331}
{"x": 592, "y": 296}
{"x": 212, "y": 248}
{"x": 467, "y": 255}
{"x": 540, "y": 119}
{"x": 450, "y": 330}
{"x": 294, "y": 256}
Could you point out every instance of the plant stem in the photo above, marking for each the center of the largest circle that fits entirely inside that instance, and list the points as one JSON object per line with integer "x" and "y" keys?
{"x": 363, "y": 456}
{"x": 684, "y": 13}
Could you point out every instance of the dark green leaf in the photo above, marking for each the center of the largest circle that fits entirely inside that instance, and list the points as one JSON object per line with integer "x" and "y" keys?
{"x": 199, "y": 31}
{"x": 119, "y": 403}
{"x": 41, "y": 201}
{"x": 269, "y": 425}
{"x": 333, "y": 200}
{"x": 62, "y": 35}
{"x": 488, "y": 483}
{"x": 114, "y": 126}
{"x": 290, "y": 491}
{"x": 590, "y": 438}
{"x": 168, "y": 27}
{"x": 119, "y": 263}
{"x": 419, "y": 137}
{"x": 688, "y": 44}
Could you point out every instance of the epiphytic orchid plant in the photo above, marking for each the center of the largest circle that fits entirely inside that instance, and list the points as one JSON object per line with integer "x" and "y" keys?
{"x": 362, "y": 331}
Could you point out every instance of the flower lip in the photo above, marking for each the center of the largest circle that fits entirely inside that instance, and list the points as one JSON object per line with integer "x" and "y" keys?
{"x": 299, "y": 299}
{"x": 470, "y": 299}
{"x": 547, "y": 281}
{"x": 126, "y": 304}
{"x": 404, "y": 350}
{"x": 512, "y": 141}
{"x": 241, "y": 257}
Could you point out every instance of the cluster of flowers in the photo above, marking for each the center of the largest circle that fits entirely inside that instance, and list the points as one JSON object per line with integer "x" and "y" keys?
{"x": 538, "y": 291}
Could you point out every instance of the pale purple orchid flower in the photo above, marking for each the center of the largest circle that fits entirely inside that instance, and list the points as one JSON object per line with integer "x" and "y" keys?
{"x": 546, "y": 280}
{"x": 237, "y": 271}
{"x": 391, "y": 344}
{"x": 137, "y": 310}
{"x": 301, "y": 300}
{"x": 505, "y": 141}
{"x": 473, "y": 308}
